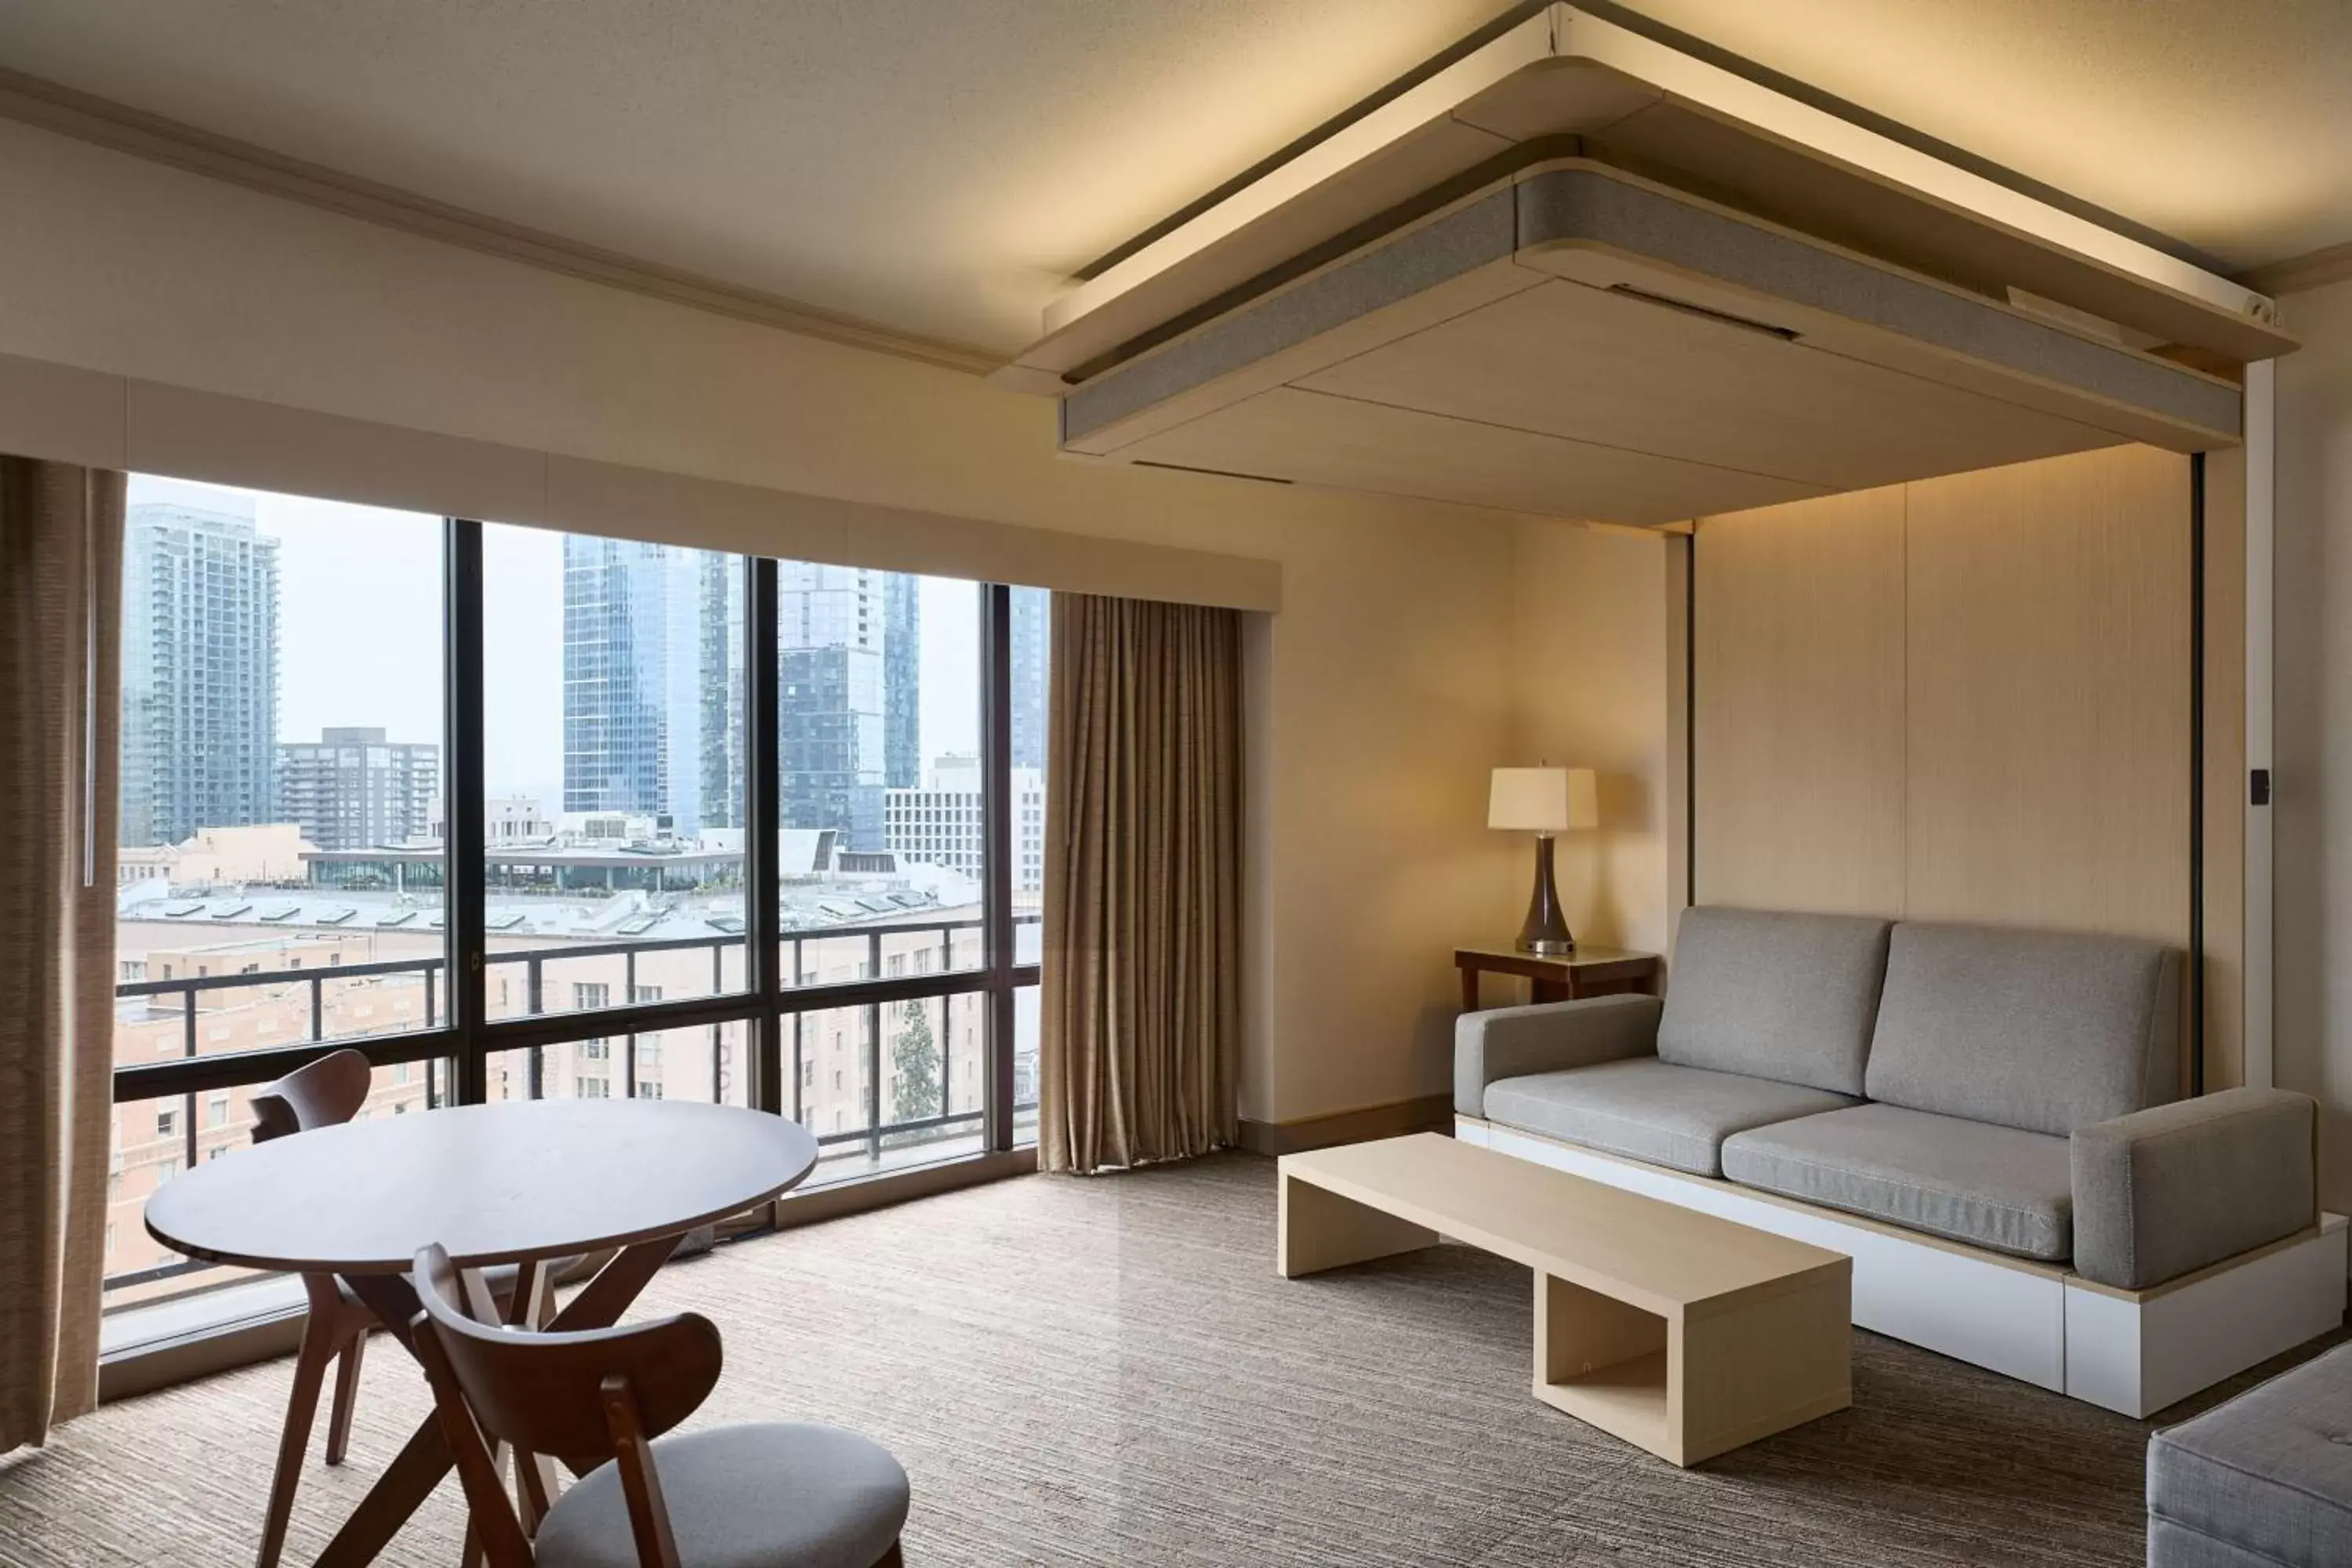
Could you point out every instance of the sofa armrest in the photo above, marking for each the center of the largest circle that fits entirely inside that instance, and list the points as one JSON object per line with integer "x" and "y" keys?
{"x": 2163, "y": 1192}
{"x": 1509, "y": 1042}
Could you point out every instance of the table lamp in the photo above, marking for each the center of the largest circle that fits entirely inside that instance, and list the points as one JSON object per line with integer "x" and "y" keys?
{"x": 1544, "y": 802}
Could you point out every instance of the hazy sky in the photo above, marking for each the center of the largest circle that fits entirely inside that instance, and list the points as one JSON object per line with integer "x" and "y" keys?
{"x": 359, "y": 630}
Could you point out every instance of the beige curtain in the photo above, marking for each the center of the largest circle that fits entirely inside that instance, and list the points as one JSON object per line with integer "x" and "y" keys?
{"x": 1141, "y": 1007}
{"x": 60, "y": 594}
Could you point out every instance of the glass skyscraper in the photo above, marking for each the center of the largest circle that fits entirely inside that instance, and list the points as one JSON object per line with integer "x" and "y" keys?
{"x": 199, "y": 673}
{"x": 723, "y": 692}
{"x": 653, "y": 703}
{"x": 634, "y": 697}
{"x": 902, "y": 678}
{"x": 1031, "y": 626}
{"x": 832, "y": 636}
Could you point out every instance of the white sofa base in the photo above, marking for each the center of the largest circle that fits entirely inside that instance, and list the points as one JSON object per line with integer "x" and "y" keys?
{"x": 2134, "y": 1352}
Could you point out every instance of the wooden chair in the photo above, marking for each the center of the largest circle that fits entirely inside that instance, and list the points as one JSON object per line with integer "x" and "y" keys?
{"x": 329, "y": 1091}
{"x": 327, "y": 1094}
{"x": 757, "y": 1495}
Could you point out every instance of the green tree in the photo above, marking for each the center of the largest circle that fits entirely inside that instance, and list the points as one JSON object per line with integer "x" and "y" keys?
{"x": 915, "y": 1067}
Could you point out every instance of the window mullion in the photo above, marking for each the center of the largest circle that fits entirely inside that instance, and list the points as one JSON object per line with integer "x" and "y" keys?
{"x": 763, "y": 822}
{"x": 464, "y": 806}
{"x": 996, "y": 860}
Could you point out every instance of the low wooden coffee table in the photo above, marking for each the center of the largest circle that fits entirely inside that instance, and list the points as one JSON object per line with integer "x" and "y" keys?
{"x": 1680, "y": 1332}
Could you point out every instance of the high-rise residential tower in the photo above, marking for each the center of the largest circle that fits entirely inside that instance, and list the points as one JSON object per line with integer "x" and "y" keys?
{"x": 199, "y": 672}
{"x": 352, "y": 789}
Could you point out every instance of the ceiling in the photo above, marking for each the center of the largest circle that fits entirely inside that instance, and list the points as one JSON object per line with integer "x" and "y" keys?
{"x": 941, "y": 166}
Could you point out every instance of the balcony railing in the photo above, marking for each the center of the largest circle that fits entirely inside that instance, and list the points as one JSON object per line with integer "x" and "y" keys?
{"x": 800, "y": 998}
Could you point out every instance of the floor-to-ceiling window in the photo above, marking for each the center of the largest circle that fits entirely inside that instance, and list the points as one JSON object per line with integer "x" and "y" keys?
{"x": 706, "y": 826}
{"x": 282, "y": 877}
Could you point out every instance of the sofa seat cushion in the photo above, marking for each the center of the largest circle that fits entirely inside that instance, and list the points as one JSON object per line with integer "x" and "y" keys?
{"x": 1965, "y": 1181}
{"x": 1784, "y": 996}
{"x": 2270, "y": 1472}
{"x": 1648, "y": 1109}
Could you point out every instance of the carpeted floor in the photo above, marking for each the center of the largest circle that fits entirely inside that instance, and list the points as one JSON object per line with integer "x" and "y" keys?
{"x": 1109, "y": 1372}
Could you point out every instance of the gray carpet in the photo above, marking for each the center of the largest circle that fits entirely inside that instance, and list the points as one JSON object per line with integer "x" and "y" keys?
{"x": 1107, "y": 1371}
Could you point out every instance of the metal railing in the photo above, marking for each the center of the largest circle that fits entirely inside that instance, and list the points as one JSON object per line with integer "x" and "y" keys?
{"x": 803, "y": 994}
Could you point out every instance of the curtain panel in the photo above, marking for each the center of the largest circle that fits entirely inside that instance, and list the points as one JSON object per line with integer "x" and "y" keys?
{"x": 60, "y": 596}
{"x": 1140, "y": 1011}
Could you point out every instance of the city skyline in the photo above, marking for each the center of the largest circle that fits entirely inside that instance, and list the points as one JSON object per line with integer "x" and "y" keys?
{"x": 359, "y": 631}
{"x": 654, "y": 687}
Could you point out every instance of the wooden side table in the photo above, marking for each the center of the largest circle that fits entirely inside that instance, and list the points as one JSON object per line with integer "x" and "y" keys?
{"x": 1559, "y": 977}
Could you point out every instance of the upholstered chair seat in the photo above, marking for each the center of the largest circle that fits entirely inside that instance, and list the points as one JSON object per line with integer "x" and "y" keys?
{"x": 771, "y": 1495}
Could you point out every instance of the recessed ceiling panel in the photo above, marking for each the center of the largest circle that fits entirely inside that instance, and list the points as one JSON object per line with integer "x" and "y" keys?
{"x": 1683, "y": 291}
{"x": 1614, "y": 369}
{"x": 1319, "y": 440}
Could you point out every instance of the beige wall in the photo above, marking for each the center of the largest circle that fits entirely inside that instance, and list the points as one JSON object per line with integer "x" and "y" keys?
{"x": 1588, "y": 689}
{"x": 2312, "y": 669}
{"x": 1382, "y": 682}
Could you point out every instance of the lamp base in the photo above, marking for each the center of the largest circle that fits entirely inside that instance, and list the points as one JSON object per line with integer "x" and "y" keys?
{"x": 1545, "y": 931}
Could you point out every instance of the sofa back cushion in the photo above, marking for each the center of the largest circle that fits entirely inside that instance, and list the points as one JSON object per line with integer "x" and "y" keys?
{"x": 1783, "y": 997}
{"x": 2046, "y": 1031}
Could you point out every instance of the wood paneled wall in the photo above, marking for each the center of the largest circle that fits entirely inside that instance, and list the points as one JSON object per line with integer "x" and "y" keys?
{"x": 1798, "y": 641}
{"x": 2047, "y": 726}
{"x": 1970, "y": 698}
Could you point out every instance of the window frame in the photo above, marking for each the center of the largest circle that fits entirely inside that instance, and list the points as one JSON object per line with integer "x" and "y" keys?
{"x": 462, "y": 1037}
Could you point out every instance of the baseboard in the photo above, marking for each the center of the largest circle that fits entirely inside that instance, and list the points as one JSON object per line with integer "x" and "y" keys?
{"x": 160, "y": 1364}
{"x": 846, "y": 1198}
{"x": 1429, "y": 1113}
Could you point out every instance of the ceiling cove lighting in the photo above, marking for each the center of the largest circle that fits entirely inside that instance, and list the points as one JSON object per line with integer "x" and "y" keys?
{"x": 1575, "y": 270}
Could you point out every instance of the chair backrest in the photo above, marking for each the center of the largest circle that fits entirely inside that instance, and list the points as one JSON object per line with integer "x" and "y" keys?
{"x": 326, "y": 1093}
{"x": 583, "y": 1397}
{"x": 545, "y": 1392}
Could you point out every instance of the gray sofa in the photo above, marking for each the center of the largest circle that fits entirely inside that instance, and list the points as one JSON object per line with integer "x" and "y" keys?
{"x": 2009, "y": 1090}
{"x": 2264, "y": 1480}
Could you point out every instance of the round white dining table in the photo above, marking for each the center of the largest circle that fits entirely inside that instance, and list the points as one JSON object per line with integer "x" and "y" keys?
{"x": 521, "y": 1183}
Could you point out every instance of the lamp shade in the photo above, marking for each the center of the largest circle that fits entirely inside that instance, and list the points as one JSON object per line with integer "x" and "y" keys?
{"x": 1543, "y": 800}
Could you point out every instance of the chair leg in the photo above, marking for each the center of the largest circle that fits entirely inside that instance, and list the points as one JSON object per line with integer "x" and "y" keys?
{"x": 301, "y": 1406}
{"x": 892, "y": 1558}
{"x": 347, "y": 1388}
